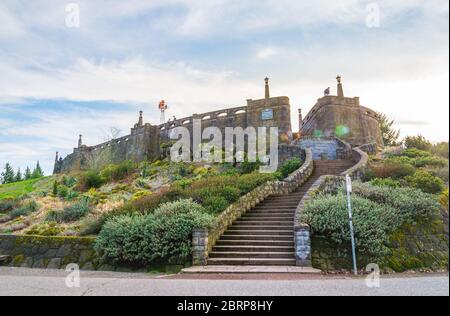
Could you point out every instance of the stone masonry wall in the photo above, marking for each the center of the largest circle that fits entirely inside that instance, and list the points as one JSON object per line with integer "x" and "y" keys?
{"x": 49, "y": 252}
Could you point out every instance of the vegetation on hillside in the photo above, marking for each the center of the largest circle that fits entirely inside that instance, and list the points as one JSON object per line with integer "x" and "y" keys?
{"x": 400, "y": 212}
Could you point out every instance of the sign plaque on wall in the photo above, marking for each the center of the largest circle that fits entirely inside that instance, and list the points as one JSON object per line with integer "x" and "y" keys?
{"x": 267, "y": 114}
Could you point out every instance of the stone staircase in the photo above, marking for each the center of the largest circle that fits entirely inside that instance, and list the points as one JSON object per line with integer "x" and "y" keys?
{"x": 265, "y": 234}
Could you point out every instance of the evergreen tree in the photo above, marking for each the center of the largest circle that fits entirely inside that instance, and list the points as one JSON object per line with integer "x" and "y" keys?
{"x": 390, "y": 135}
{"x": 19, "y": 176}
{"x": 8, "y": 175}
{"x": 37, "y": 172}
{"x": 28, "y": 174}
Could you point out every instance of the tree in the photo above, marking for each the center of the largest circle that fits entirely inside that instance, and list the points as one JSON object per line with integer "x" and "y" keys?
{"x": 389, "y": 134}
{"x": 37, "y": 172}
{"x": 8, "y": 174}
{"x": 28, "y": 174}
{"x": 418, "y": 142}
{"x": 18, "y": 176}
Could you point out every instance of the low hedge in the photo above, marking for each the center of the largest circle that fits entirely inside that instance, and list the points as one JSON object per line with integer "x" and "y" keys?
{"x": 161, "y": 237}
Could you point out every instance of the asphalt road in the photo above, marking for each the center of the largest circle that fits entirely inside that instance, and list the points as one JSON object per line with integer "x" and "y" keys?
{"x": 15, "y": 282}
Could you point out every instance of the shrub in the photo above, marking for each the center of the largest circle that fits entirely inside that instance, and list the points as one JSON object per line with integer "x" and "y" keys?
{"x": 249, "y": 167}
{"x": 392, "y": 169}
{"x": 25, "y": 209}
{"x": 443, "y": 199}
{"x": 426, "y": 182}
{"x": 430, "y": 161}
{"x": 387, "y": 182}
{"x": 140, "y": 194}
{"x": 415, "y": 153}
{"x": 164, "y": 236}
{"x": 8, "y": 205}
{"x": 63, "y": 191}
{"x": 328, "y": 216}
{"x": 45, "y": 229}
{"x": 410, "y": 203}
{"x": 118, "y": 172}
{"x": 418, "y": 142}
{"x": 71, "y": 213}
{"x": 89, "y": 180}
{"x": 68, "y": 181}
{"x": 215, "y": 204}
{"x": 290, "y": 166}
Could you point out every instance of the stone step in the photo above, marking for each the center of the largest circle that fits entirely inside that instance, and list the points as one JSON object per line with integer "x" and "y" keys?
{"x": 251, "y": 262}
{"x": 258, "y": 237}
{"x": 253, "y": 248}
{"x": 278, "y": 207}
{"x": 264, "y": 223}
{"x": 235, "y": 254}
{"x": 268, "y": 215}
{"x": 262, "y": 227}
{"x": 267, "y": 219}
{"x": 239, "y": 232}
{"x": 257, "y": 243}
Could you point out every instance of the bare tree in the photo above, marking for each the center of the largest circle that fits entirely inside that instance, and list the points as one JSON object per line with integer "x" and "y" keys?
{"x": 112, "y": 133}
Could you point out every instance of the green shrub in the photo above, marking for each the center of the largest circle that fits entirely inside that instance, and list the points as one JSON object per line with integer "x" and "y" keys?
{"x": 69, "y": 181}
{"x": 8, "y": 205}
{"x": 410, "y": 203}
{"x": 328, "y": 216}
{"x": 25, "y": 209}
{"x": 249, "y": 167}
{"x": 89, "y": 180}
{"x": 162, "y": 237}
{"x": 118, "y": 172}
{"x": 215, "y": 204}
{"x": 71, "y": 213}
{"x": 426, "y": 182}
{"x": 415, "y": 153}
{"x": 290, "y": 166}
{"x": 430, "y": 161}
{"x": 387, "y": 182}
{"x": 72, "y": 195}
{"x": 418, "y": 142}
{"x": 63, "y": 191}
{"x": 45, "y": 229}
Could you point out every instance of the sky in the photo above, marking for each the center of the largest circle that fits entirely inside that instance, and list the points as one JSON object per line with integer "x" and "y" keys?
{"x": 86, "y": 66}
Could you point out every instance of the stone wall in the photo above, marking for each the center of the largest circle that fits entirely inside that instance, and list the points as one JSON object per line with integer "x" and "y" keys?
{"x": 203, "y": 240}
{"x": 325, "y": 148}
{"x": 145, "y": 140}
{"x": 345, "y": 118}
{"x": 49, "y": 252}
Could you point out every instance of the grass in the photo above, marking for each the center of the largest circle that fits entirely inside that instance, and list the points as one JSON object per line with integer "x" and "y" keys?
{"x": 17, "y": 189}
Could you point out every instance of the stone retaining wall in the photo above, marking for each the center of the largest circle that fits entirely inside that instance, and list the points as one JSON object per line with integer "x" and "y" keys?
{"x": 49, "y": 252}
{"x": 203, "y": 240}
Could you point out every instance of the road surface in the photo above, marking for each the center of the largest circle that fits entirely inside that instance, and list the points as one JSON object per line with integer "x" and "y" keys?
{"x": 15, "y": 281}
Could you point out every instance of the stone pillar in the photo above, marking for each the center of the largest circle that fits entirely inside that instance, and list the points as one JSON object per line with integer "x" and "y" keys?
{"x": 200, "y": 247}
{"x": 340, "y": 88}
{"x": 300, "y": 120}
{"x": 267, "y": 94}
{"x": 303, "y": 245}
{"x": 141, "y": 119}
{"x": 80, "y": 141}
